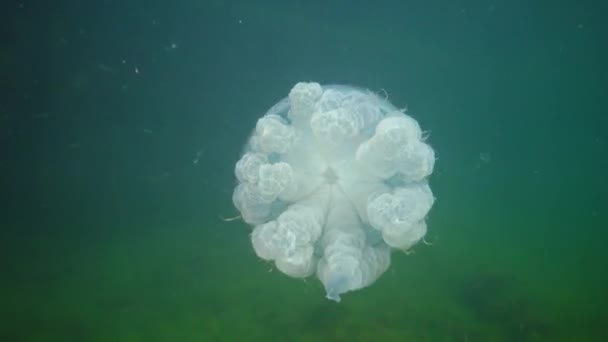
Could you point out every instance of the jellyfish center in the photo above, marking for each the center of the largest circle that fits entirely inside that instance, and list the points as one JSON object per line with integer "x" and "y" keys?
{"x": 330, "y": 176}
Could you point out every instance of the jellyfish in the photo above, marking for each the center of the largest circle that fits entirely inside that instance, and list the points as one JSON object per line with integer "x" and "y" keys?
{"x": 333, "y": 179}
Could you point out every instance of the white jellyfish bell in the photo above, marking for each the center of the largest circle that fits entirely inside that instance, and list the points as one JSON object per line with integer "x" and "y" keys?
{"x": 334, "y": 178}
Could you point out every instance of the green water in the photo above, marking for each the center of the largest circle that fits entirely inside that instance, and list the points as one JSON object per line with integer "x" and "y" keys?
{"x": 110, "y": 231}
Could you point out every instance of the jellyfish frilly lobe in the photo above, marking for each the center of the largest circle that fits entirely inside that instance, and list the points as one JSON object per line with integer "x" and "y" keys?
{"x": 333, "y": 178}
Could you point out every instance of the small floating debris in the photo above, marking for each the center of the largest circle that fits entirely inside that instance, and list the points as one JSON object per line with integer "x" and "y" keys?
{"x": 105, "y": 68}
{"x": 485, "y": 157}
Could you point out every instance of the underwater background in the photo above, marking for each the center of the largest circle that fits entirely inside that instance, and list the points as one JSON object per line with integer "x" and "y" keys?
{"x": 121, "y": 122}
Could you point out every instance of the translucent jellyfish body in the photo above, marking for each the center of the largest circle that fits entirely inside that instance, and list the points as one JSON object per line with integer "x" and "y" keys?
{"x": 333, "y": 178}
